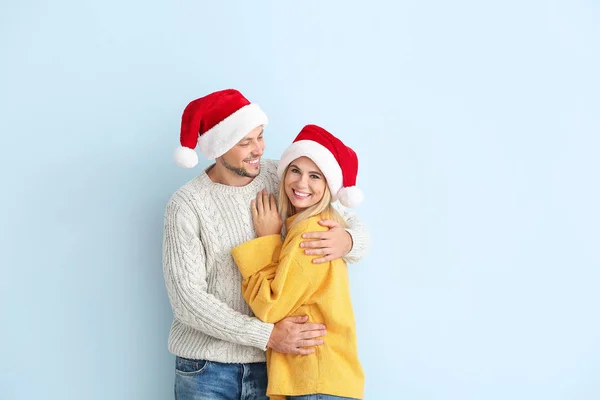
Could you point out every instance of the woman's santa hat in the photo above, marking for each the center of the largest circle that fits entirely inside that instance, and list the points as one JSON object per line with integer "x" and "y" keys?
{"x": 216, "y": 123}
{"x": 337, "y": 161}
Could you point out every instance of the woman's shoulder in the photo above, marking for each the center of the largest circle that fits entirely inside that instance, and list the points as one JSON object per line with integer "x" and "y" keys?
{"x": 310, "y": 224}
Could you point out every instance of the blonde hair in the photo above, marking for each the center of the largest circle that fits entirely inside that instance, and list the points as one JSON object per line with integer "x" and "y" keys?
{"x": 324, "y": 206}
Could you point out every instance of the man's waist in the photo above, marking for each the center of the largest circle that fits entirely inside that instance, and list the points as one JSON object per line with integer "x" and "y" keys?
{"x": 194, "y": 344}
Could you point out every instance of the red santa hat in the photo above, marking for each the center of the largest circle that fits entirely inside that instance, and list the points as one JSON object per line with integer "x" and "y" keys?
{"x": 338, "y": 162}
{"x": 215, "y": 123}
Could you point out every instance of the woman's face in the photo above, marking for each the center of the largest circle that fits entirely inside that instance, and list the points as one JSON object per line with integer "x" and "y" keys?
{"x": 304, "y": 183}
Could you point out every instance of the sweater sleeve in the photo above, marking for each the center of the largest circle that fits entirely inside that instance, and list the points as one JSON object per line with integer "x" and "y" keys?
{"x": 255, "y": 254}
{"x": 273, "y": 290}
{"x": 185, "y": 277}
{"x": 360, "y": 236}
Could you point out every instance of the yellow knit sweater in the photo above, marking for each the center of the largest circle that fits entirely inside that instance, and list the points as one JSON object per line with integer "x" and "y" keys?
{"x": 279, "y": 280}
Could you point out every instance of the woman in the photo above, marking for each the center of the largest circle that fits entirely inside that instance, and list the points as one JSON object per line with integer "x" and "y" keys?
{"x": 280, "y": 280}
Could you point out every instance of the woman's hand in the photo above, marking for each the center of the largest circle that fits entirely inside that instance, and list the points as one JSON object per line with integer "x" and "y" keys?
{"x": 265, "y": 215}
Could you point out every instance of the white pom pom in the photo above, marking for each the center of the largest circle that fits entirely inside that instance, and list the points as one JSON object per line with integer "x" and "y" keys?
{"x": 186, "y": 157}
{"x": 350, "y": 196}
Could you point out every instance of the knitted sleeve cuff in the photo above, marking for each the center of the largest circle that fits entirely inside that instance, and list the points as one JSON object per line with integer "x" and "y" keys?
{"x": 360, "y": 244}
{"x": 260, "y": 333}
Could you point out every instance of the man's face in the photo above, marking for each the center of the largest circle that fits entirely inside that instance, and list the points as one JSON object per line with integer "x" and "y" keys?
{"x": 244, "y": 158}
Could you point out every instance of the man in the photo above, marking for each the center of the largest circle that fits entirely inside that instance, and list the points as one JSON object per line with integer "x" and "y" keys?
{"x": 220, "y": 346}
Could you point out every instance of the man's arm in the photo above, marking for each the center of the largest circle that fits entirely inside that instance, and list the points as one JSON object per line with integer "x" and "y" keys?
{"x": 359, "y": 236}
{"x": 352, "y": 244}
{"x": 185, "y": 277}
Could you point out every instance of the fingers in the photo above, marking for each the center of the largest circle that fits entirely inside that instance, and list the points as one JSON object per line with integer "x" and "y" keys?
{"x": 306, "y": 346}
{"x": 302, "y": 351}
{"x": 329, "y": 223}
{"x": 307, "y": 330}
{"x": 332, "y": 225}
{"x": 265, "y": 199}
{"x": 265, "y": 202}
{"x": 259, "y": 203}
{"x": 314, "y": 235}
{"x": 302, "y": 336}
{"x": 323, "y": 259}
{"x": 253, "y": 209}
{"x": 310, "y": 343}
{"x": 316, "y": 244}
{"x": 310, "y": 327}
{"x": 314, "y": 334}
{"x": 319, "y": 252}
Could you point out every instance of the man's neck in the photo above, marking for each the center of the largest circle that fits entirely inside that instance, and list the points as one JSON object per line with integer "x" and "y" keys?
{"x": 219, "y": 174}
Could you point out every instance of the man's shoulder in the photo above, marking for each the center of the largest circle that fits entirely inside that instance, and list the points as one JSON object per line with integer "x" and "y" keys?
{"x": 270, "y": 165}
{"x": 310, "y": 224}
{"x": 269, "y": 174}
{"x": 185, "y": 192}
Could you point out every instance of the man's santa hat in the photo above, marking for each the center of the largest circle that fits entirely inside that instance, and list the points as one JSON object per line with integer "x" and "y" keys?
{"x": 216, "y": 123}
{"x": 338, "y": 162}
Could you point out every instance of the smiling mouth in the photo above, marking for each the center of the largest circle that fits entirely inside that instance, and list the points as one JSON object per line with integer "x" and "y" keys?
{"x": 253, "y": 162}
{"x": 301, "y": 195}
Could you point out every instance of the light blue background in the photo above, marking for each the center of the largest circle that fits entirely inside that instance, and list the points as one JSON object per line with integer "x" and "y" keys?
{"x": 477, "y": 125}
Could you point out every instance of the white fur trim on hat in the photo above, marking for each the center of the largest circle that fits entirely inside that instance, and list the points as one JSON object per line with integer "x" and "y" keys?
{"x": 186, "y": 157}
{"x": 351, "y": 196}
{"x": 222, "y": 137}
{"x": 320, "y": 156}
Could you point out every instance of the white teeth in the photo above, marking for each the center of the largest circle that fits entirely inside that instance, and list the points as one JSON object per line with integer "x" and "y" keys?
{"x": 297, "y": 193}
{"x": 253, "y": 162}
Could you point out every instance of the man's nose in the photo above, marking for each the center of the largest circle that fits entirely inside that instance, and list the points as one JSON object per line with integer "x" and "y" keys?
{"x": 258, "y": 150}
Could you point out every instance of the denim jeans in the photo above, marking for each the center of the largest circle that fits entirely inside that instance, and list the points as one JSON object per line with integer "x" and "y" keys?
{"x": 208, "y": 380}
{"x": 318, "y": 397}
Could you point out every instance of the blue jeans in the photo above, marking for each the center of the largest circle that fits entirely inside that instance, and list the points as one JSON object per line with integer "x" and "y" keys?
{"x": 208, "y": 380}
{"x": 318, "y": 397}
